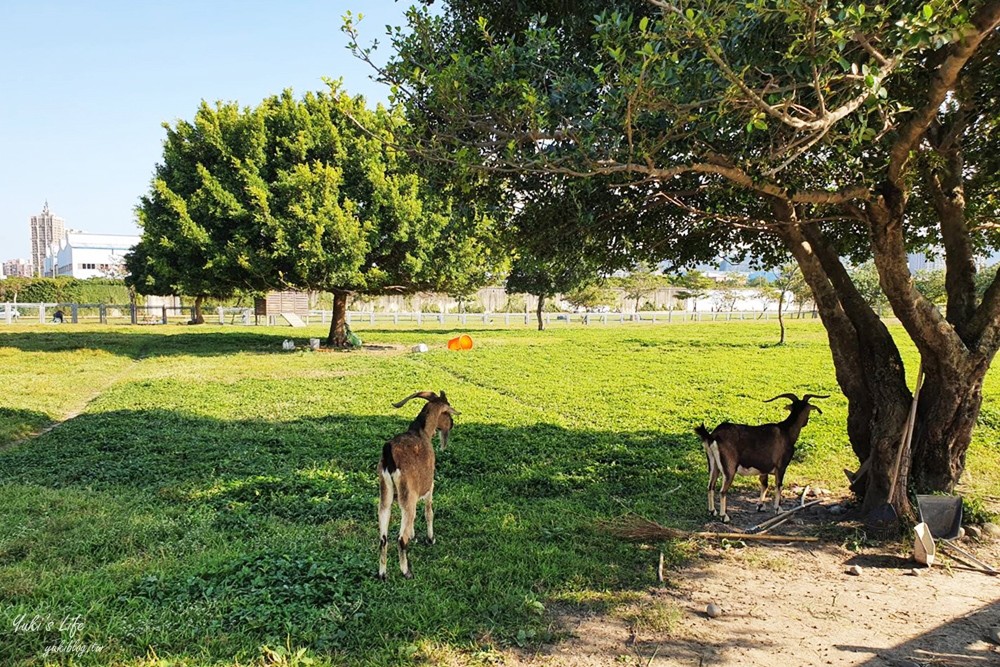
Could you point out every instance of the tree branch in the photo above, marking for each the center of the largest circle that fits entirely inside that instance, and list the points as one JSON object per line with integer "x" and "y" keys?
{"x": 953, "y": 58}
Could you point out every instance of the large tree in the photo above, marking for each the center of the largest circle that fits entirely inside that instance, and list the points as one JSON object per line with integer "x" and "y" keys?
{"x": 303, "y": 193}
{"x": 188, "y": 218}
{"x": 827, "y": 130}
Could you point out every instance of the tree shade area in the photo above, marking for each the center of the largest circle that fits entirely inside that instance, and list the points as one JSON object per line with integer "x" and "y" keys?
{"x": 830, "y": 132}
{"x": 301, "y": 193}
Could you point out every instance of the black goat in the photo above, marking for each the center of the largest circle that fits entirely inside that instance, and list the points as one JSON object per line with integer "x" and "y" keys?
{"x": 767, "y": 449}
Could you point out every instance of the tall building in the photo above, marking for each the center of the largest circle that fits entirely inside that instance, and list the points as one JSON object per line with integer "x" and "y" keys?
{"x": 46, "y": 229}
{"x": 13, "y": 268}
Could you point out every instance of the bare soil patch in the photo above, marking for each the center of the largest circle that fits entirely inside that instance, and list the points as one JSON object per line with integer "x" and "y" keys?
{"x": 794, "y": 604}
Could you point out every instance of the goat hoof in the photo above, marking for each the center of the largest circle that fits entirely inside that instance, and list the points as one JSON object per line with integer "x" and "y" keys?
{"x": 431, "y": 541}
{"x": 408, "y": 574}
{"x": 713, "y": 513}
{"x": 381, "y": 576}
{"x": 725, "y": 518}
{"x": 760, "y": 508}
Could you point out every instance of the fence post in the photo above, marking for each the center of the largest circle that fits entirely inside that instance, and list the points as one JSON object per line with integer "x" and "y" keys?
{"x": 74, "y": 313}
{"x": 10, "y": 312}
{"x": 41, "y": 313}
{"x": 164, "y": 309}
{"x": 134, "y": 315}
{"x": 102, "y": 314}
{"x": 506, "y": 319}
{"x": 395, "y": 318}
{"x": 621, "y": 317}
{"x": 654, "y": 317}
{"x": 371, "y": 318}
{"x": 526, "y": 318}
{"x": 222, "y": 316}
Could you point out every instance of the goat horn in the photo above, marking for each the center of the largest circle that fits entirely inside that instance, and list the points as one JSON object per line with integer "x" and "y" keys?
{"x": 426, "y": 395}
{"x": 791, "y": 397}
{"x": 808, "y": 396}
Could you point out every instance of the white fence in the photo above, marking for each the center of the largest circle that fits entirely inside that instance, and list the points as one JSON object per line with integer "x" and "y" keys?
{"x": 104, "y": 313}
{"x": 73, "y": 313}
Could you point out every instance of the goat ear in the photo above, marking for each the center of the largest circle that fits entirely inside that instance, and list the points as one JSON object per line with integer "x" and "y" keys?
{"x": 443, "y": 397}
{"x": 452, "y": 411}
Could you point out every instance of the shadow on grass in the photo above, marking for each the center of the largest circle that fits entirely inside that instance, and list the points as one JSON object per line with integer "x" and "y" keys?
{"x": 144, "y": 344}
{"x": 16, "y": 423}
{"x": 258, "y": 532}
{"x": 254, "y": 532}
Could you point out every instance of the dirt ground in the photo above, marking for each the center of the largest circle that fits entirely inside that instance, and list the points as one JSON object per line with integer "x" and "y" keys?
{"x": 790, "y": 604}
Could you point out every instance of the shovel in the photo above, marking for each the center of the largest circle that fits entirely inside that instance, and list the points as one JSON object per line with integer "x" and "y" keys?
{"x": 883, "y": 520}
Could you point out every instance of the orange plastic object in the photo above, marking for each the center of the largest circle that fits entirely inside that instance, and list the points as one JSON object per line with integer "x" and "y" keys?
{"x": 463, "y": 342}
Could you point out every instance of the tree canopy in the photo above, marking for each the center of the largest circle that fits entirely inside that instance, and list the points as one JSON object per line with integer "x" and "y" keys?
{"x": 303, "y": 193}
{"x": 830, "y": 131}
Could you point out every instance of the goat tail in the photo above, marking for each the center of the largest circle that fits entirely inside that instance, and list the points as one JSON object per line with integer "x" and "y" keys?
{"x": 703, "y": 433}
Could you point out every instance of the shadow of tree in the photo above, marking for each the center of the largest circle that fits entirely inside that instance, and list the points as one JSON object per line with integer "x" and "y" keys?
{"x": 16, "y": 423}
{"x": 251, "y": 532}
{"x": 961, "y": 643}
{"x": 149, "y": 344}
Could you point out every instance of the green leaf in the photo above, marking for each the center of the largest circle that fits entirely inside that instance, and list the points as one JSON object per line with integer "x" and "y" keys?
{"x": 927, "y": 11}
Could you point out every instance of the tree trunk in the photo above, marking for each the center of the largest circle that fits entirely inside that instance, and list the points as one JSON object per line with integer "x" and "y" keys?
{"x": 946, "y": 415}
{"x": 868, "y": 366}
{"x": 338, "y": 322}
{"x": 781, "y": 322}
{"x": 198, "y": 317}
{"x": 538, "y": 312}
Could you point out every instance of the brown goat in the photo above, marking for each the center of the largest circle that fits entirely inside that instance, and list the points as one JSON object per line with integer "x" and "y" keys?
{"x": 406, "y": 470}
{"x": 741, "y": 449}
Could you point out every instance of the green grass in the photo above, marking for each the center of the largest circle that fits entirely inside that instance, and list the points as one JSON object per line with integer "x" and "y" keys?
{"x": 214, "y": 502}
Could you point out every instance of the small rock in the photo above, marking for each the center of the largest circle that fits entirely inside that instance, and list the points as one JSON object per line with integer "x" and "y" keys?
{"x": 994, "y": 634}
{"x": 713, "y": 610}
{"x": 419, "y": 347}
{"x": 974, "y": 532}
{"x": 854, "y": 570}
{"x": 961, "y": 532}
{"x": 991, "y": 530}
{"x": 914, "y": 572}
{"x": 836, "y": 510}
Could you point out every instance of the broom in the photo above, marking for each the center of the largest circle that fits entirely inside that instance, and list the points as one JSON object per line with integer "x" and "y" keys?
{"x": 640, "y": 529}
{"x": 883, "y": 521}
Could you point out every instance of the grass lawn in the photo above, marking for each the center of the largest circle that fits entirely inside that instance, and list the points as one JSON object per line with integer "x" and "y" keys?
{"x": 211, "y": 499}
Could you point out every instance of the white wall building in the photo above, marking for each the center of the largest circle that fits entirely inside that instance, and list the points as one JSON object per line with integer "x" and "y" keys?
{"x": 81, "y": 255}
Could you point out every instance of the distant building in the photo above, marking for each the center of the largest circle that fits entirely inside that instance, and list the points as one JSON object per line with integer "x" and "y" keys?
{"x": 46, "y": 229}
{"x": 17, "y": 268}
{"x": 81, "y": 255}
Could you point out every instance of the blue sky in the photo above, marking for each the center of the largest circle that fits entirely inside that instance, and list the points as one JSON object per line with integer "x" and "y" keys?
{"x": 87, "y": 86}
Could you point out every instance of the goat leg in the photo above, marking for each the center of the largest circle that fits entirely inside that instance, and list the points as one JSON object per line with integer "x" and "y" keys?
{"x": 385, "y": 488}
